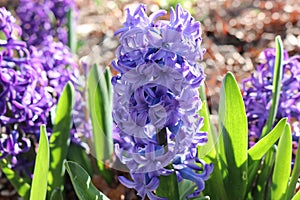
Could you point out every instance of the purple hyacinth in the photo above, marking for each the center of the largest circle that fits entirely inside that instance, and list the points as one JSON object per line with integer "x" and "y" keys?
{"x": 156, "y": 99}
{"x": 31, "y": 82}
{"x": 44, "y": 20}
{"x": 24, "y": 95}
{"x": 258, "y": 94}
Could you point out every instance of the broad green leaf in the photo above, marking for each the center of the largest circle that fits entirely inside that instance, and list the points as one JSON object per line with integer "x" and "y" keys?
{"x": 295, "y": 175}
{"x": 60, "y": 138}
{"x": 78, "y": 154}
{"x": 20, "y": 185}
{"x": 282, "y": 166}
{"x": 39, "y": 182}
{"x": 233, "y": 142}
{"x": 82, "y": 183}
{"x": 263, "y": 145}
{"x": 72, "y": 39}
{"x": 168, "y": 186}
{"x": 100, "y": 105}
{"x": 277, "y": 76}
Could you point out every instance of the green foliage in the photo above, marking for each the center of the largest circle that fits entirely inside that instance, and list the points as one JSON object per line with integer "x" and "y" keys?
{"x": 263, "y": 145}
{"x": 282, "y": 166}
{"x": 72, "y": 39}
{"x": 21, "y": 185}
{"x": 261, "y": 172}
{"x": 82, "y": 183}
{"x": 60, "y": 139}
{"x": 278, "y": 70}
{"x": 39, "y": 182}
{"x": 295, "y": 175}
{"x": 100, "y": 105}
{"x": 168, "y": 186}
{"x": 78, "y": 154}
{"x": 233, "y": 143}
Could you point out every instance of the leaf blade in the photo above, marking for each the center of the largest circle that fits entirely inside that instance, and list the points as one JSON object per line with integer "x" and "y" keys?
{"x": 282, "y": 166}
{"x": 39, "y": 182}
{"x": 263, "y": 145}
{"x": 101, "y": 116}
{"x": 60, "y": 138}
{"x": 295, "y": 175}
{"x": 233, "y": 142}
{"x": 22, "y": 187}
{"x": 168, "y": 186}
{"x": 82, "y": 183}
{"x": 278, "y": 71}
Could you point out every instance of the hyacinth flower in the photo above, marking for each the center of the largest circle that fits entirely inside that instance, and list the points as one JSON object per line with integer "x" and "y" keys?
{"x": 156, "y": 100}
{"x": 257, "y": 92}
{"x": 31, "y": 81}
{"x": 44, "y": 20}
{"x": 25, "y": 99}
{"x": 44, "y": 26}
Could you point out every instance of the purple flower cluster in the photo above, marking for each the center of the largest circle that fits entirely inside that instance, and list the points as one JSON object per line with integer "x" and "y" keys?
{"x": 44, "y": 20}
{"x": 31, "y": 81}
{"x": 258, "y": 95}
{"x": 24, "y": 95}
{"x": 156, "y": 99}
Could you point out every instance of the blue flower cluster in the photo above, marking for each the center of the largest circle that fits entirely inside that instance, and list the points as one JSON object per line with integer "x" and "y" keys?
{"x": 257, "y": 92}
{"x": 44, "y": 20}
{"x": 156, "y": 99}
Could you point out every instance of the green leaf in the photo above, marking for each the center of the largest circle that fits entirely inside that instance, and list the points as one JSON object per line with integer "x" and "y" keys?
{"x": 282, "y": 166}
{"x": 215, "y": 181}
{"x": 256, "y": 153}
{"x": 297, "y": 196}
{"x": 233, "y": 142}
{"x": 100, "y": 105}
{"x": 56, "y": 195}
{"x": 278, "y": 70}
{"x": 82, "y": 183}
{"x": 263, "y": 145}
{"x": 185, "y": 188}
{"x": 295, "y": 175}
{"x": 22, "y": 187}
{"x": 262, "y": 183}
{"x": 78, "y": 154}
{"x": 60, "y": 138}
{"x": 207, "y": 151}
{"x": 168, "y": 186}
{"x": 72, "y": 39}
{"x": 39, "y": 181}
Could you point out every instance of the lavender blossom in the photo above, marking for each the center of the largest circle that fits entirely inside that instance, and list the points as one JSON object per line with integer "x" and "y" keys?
{"x": 258, "y": 95}
{"x": 24, "y": 96}
{"x": 156, "y": 99}
{"x": 31, "y": 82}
{"x": 44, "y": 20}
